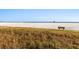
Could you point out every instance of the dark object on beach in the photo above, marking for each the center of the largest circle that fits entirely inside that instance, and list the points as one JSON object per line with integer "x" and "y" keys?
{"x": 61, "y": 28}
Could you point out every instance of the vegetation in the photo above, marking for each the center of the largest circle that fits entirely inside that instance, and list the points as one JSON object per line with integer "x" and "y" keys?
{"x": 33, "y": 38}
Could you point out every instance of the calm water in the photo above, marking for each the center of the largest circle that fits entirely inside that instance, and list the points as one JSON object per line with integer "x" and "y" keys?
{"x": 68, "y": 26}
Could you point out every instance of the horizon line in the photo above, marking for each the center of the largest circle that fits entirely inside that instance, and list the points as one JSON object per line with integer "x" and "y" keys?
{"x": 41, "y": 21}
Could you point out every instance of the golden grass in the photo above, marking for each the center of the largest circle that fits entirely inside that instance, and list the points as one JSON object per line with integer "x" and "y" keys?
{"x": 34, "y": 38}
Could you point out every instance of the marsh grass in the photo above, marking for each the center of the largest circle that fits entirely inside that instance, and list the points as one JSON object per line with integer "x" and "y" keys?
{"x": 34, "y": 38}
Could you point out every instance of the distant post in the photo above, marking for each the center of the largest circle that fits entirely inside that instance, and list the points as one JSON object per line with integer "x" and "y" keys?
{"x": 53, "y": 21}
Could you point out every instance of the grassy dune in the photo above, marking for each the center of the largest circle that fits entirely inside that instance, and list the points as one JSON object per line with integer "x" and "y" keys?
{"x": 30, "y": 38}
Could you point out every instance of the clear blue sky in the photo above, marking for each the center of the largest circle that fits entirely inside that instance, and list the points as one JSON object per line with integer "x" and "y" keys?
{"x": 39, "y": 14}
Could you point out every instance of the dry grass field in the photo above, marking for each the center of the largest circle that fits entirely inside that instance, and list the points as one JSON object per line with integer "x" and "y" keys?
{"x": 34, "y": 38}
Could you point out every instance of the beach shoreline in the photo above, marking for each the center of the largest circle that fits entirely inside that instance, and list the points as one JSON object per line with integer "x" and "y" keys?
{"x": 68, "y": 26}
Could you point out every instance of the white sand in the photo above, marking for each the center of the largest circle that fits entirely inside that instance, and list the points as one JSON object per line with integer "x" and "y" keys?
{"x": 68, "y": 26}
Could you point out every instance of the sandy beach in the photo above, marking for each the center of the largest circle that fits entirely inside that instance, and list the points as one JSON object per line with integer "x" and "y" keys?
{"x": 68, "y": 26}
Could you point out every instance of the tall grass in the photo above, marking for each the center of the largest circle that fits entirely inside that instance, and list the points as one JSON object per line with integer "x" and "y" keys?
{"x": 33, "y": 38}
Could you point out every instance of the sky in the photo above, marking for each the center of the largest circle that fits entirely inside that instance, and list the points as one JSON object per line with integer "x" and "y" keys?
{"x": 39, "y": 15}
